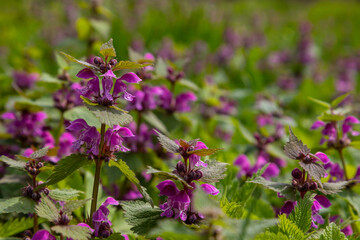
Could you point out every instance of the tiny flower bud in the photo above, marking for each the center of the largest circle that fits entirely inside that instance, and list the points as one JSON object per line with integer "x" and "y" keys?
{"x": 191, "y": 148}
{"x": 191, "y": 219}
{"x": 180, "y": 167}
{"x": 304, "y": 187}
{"x": 170, "y": 70}
{"x": 33, "y": 171}
{"x": 113, "y": 62}
{"x": 64, "y": 220}
{"x": 180, "y": 75}
{"x": 313, "y": 186}
{"x": 35, "y": 196}
{"x": 198, "y": 174}
{"x": 192, "y": 176}
{"x": 28, "y": 191}
{"x": 307, "y": 159}
{"x": 39, "y": 165}
{"x": 105, "y": 234}
{"x": 296, "y": 173}
{"x": 97, "y": 60}
{"x": 103, "y": 68}
{"x": 46, "y": 191}
{"x": 295, "y": 183}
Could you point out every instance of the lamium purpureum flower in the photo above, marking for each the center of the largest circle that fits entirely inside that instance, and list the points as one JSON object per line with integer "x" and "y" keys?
{"x": 68, "y": 97}
{"x": 89, "y": 137}
{"x": 43, "y": 235}
{"x": 145, "y": 99}
{"x": 103, "y": 96}
{"x": 25, "y": 80}
{"x": 101, "y": 223}
{"x": 180, "y": 104}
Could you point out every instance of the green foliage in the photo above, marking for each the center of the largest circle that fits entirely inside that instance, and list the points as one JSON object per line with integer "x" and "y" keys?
{"x": 320, "y": 102}
{"x": 333, "y": 187}
{"x": 84, "y": 113}
{"x": 167, "y": 143}
{"x": 83, "y": 63}
{"x": 40, "y": 153}
{"x": 295, "y": 147}
{"x": 109, "y": 115}
{"x": 124, "y": 168}
{"x": 16, "y": 225}
{"x": 284, "y": 189}
{"x": 116, "y": 236}
{"x": 339, "y": 99}
{"x": 167, "y": 175}
{"x": 290, "y": 229}
{"x": 129, "y": 65}
{"x": 154, "y": 121}
{"x": 214, "y": 171}
{"x": 63, "y": 194}
{"x": 332, "y": 232}
{"x": 204, "y": 152}
{"x": 271, "y": 236}
{"x": 244, "y": 132}
{"x": 141, "y": 216}
{"x": 314, "y": 169}
{"x": 327, "y": 117}
{"x": 73, "y": 231}
{"x": 13, "y": 163}
{"x": 47, "y": 209}
{"x": 107, "y": 49}
{"x": 65, "y": 167}
{"x": 16, "y": 205}
{"x": 72, "y": 205}
{"x": 301, "y": 215}
{"x": 232, "y": 209}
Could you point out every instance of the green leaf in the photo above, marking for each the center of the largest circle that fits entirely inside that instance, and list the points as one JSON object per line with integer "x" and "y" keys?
{"x": 295, "y": 148}
{"x": 15, "y": 226}
{"x": 167, "y": 143}
{"x": 88, "y": 101}
{"x": 205, "y": 152}
{"x": 301, "y": 215}
{"x": 214, "y": 171}
{"x": 129, "y": 65}
{"x": 327, "y": 117}
{"x": 73, "y": 231}
{"x": 47, "y": 209}
{"x": 339, "y": 99}
{"x": 65, "y": 167}
{"x": 16, "y": 205}
{"x": 353, "y": 199}
{"x": 115, "y": 236}
{"x": 167, "y": 175}
{"x": 110, "y": 115}
{"x": 13, "y": 163}
{"x": 124, "y": 168}
{"x": 27, "y": 106}
{"x": 315, "y": 170}
{"x": 355, "y": 144}
{"x": 61, "y": 63}
{"x": 284, "y": 189}
{"x": 40, "y": 153}
{"x": 83, "y": 28}
{"x": 271, "y": 236}
{"x": 154, "y": 121}
{"x": 140, "y": 215}
{"x": 83, "y": 113}
{"x": 83, "y": 63}
{"x": 244, "y": 132}
{"x": 174, "y": 230}
{"x": 320, "y": 102}
{"x": 107, "y": 49}
{"x": 333, "y": 187}
{"x": 72, "y": 205}
{"x": 189, "y": 84}
{"x": 64, "y": 194}
{"x": 232, "y": 209}
{"x": 290, "y": 229}
{"x": 332, "y": 232}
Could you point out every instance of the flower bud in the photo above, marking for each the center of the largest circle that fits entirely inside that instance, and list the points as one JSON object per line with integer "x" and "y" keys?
{"x": 190, "y": 149}
{"x": 46, "y": 191}
{"x": 313, "y": 186}
{"x": 191, "y": 219}
{"x": 192, "y": 175}
{"x": 307, "y": 159}
{"x": 27, "y": 191}
{"x": 199, "y": 174}
{"x": 64, "y": 220}
{"x": 35, "y": 196}
{"x": 304, "y": 187}
{"x": 39, "y": 165}
{"x": 97, "y": 60}
{"x": 113, "y": 62}
{"x": 295, "y": 183}
{"x": 33, "y": 171}
{"x": 296, "y": 173}
{"x": 180, "y": 167}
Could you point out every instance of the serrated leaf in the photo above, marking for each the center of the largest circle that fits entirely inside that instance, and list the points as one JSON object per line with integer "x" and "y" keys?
{"x": 232, "y": 209}
{"x": 17, "y": 225}
{"x": 333, "y": 187}
{"x": 154, "y": 121}
{"x": 47, "y": 209}
{"x": 167, "y": 143}
{"x": 353, "y": 199}
{"x": 295, "y": 148}
{"x": 17, "y": 205}
{"x": 64, "y": 194}
{"x": 290, "y": 229}
{"x": 72, "y": 205}
{"x": 40, "y": 153}
{"x": 83, "y": 63}
{"x": 13, "y": 163}
{"x": 284, "y": 189}
{"x": 124, "y": 168}
{"x": 140, "y": 215}
{"x": 27, "y": 106}
{"x": 339, "y": 99}
{"x": 167, "y": 175}
{"x": 320, "y": 102}
{"x": 214, "y": 171}
{"x": 65, "y": 167}
{"x": 271, "y": 236}
{"x": 129, "y": 65}
{"x": 109, "y": 115}
{"x": 327, "y": 117}
{"x": 314, "y": 169}
{"x": 83, "y": 113}
{"x": 332, "y": 232}
{"x": 87, "y": 101}
{"x": 73, "y": 231}
{"x": 116, "y": 236}
{"x": 205, "y": 152}
{"x": 301, "y": 215}
{"x": 107, "y": 49}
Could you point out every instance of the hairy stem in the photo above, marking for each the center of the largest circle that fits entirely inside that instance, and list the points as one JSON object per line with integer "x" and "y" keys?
{"x": 343, "y": 162}
{"x": 99, "y": 161}
{"x": 35, "y": 218}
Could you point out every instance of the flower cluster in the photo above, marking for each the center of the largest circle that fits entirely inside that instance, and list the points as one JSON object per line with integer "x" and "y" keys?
{"x": 179, "y": 201}
{"x": 67, "y": 97}
{"x": 89, "y": 138}
{"x": 24, "y": 80}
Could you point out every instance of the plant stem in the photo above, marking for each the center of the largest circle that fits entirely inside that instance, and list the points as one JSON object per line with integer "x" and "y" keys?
{"x": 60, "y": 127}
{"x": 343, "y": 163}
{"x": 36, "y": 222}
{"x": 99, "y": 161}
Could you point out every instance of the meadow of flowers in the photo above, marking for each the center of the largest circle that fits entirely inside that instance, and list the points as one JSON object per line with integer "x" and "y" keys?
{"x": 180, "y": 120}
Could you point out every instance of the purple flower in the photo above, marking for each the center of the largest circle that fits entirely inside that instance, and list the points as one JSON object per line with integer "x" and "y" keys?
{"x": 103, "y": 96}
{"x": 320, "y": 202}
{"x": 43, "y": 235}
{"x": 347, "y": 125}
{"x": 68, "y": 97}
{"x": 336, "y": 172}
{"x": 145, "y": 99}
{"x": 288, "y": 207}
{"x": 180, "y": 104}
{"x": 25, "y": 80}
{"x": 194, "y": 160}
{"x": 142, "y": 140}
{"x": 209, "y": 189}
{"x": 100, "y": 219}
{"x": 114, "y": 139}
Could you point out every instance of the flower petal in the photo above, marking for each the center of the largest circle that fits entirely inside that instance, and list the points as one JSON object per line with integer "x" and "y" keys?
{"x": 130, "y": 77}
{"x": 209, "y": 189}
{"x": 323, "y": 157}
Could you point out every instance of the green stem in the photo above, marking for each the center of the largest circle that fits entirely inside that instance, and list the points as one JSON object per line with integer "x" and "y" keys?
{"x": 99, "y": 161}
{"x": 343, "y": 162}
{"x": 35, "y": 218}
{"x": 60, "y": 128}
